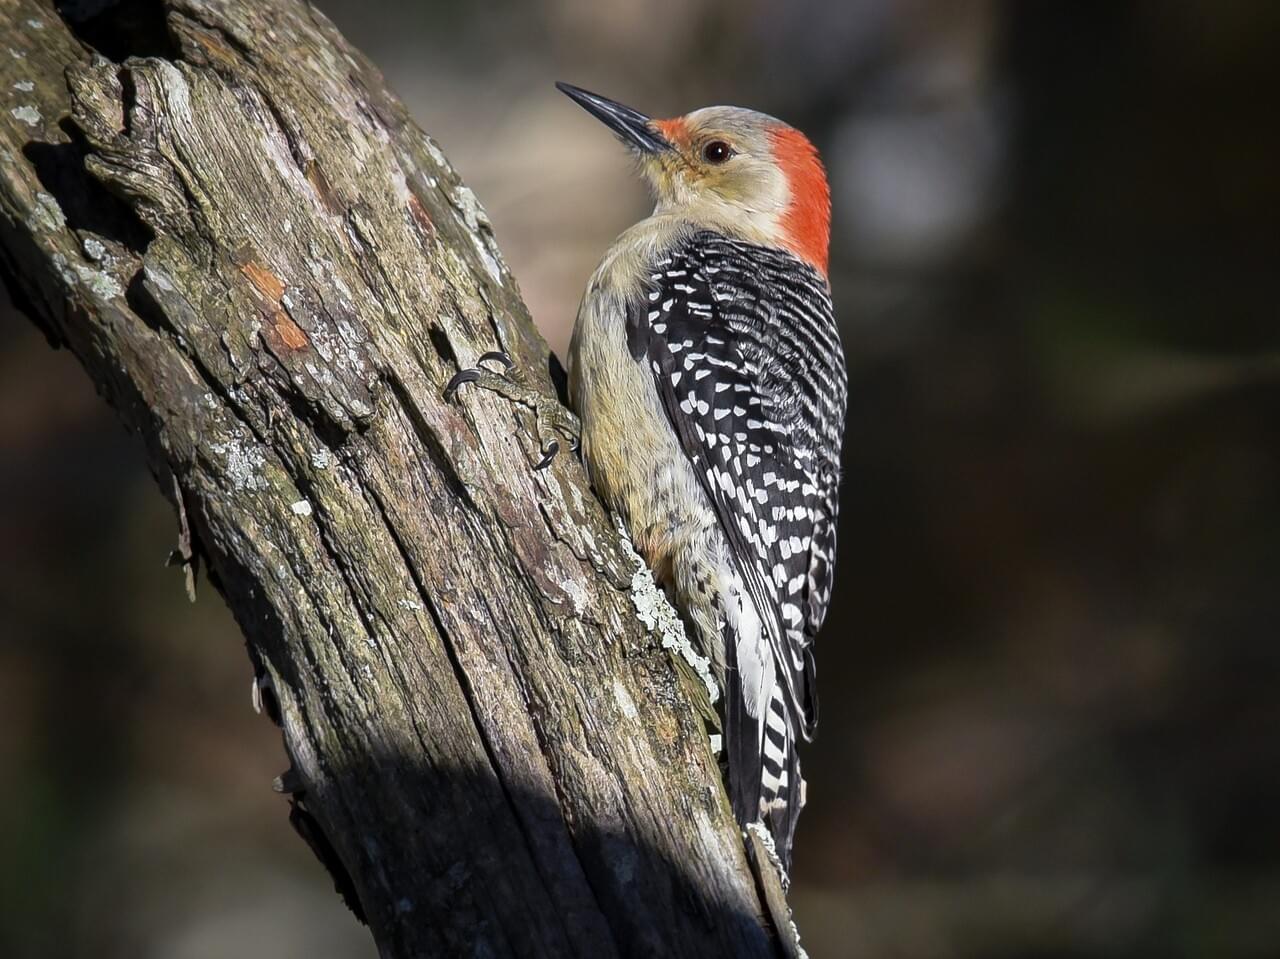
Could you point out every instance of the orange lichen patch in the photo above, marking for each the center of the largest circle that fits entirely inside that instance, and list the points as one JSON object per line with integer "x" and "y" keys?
{"x": 288, "y": 332}
{"x": 807, "y": 222}
{"x": 675, "y": 129}
{"x": 269, "y": 286}
{"x": 263, "y": 280}
{"x": 421, "y": 216}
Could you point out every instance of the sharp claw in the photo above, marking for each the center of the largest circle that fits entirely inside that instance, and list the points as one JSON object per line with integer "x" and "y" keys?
{"x": 499, "y": 357}
{"x": 463, "y": 376}
{"x": 548, "y": 455}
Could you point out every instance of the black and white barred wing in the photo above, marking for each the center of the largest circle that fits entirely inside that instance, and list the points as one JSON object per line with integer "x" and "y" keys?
{"x": 742, "y": 344}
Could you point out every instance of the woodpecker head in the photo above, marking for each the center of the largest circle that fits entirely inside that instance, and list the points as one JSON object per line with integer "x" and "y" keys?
{"x": 730, "y": 168}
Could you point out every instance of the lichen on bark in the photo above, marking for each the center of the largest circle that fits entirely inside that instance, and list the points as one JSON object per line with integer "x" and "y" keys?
{"x": 271, "y": 272}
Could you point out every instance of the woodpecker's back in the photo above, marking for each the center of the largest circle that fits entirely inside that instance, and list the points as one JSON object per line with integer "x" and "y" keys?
{"x": 707, "y": 372}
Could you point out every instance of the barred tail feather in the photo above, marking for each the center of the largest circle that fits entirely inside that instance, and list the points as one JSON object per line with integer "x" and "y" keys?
{"x": 781, "y": 787}
{"x": 743, "y": 730}
{"x": 760, "y": 734}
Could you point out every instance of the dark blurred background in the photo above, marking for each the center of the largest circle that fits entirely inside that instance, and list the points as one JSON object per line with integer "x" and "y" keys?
{"x": 1050, "y": 719}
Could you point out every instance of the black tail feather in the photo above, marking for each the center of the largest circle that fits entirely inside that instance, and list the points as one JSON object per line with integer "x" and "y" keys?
{"x": 764, "y": 764}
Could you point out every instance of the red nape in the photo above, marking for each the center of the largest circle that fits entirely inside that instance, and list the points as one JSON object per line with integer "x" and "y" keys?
{"x": 807, "y": 223}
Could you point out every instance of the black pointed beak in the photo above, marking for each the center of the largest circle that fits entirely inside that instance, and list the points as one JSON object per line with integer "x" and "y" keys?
{"x": 631, "y": 126}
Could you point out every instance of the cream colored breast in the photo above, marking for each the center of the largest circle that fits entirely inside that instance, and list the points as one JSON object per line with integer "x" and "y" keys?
{"x": 633, "y": 456}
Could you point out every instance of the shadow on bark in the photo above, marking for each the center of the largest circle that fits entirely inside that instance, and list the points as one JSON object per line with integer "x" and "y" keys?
{"x": 483, "y": 891}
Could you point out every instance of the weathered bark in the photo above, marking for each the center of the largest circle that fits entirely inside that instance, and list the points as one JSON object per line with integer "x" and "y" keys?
{"x": 270, "y": 272}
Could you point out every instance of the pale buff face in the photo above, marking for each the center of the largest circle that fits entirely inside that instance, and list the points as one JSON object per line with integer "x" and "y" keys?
{"x": 747, "y": 189}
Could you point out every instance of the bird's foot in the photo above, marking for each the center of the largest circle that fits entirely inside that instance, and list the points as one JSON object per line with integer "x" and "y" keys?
{"x": 550, "y": 418}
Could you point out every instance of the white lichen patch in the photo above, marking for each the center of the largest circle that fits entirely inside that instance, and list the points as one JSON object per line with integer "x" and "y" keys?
{"x": 64, "y": 269}
{"x": 24, "y": 86}
{"x": 35, "y": 24}
{"x": 46, "y": 214}
{"x": 659, "y": 616}
{"x": 625, "y": 702}
{"x": 800, "y": 953}
{"x": 577, "y": 595}
{"x": 717, "y": 743}
{"x": 27, "y": 114}
{"x": 243, "y": 465}
{"x": 320, "y": 459}
{"x": 17, "y": 54}
{"x": 301, "y": 508}
{"x": 437, "y": 157}
{"x": 93, "y": 249}
{"x": 99, "y": 282}
{"x": 410, "y": 604}
{"x": 766, "y": 839}
{"x": 466, "y": 203}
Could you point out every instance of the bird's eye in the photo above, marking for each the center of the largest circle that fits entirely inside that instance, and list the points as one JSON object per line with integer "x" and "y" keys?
{"x": 717, "y": 151}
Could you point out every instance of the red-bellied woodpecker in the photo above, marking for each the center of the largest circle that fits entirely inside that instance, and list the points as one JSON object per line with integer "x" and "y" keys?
{"x": 707, "y": 373}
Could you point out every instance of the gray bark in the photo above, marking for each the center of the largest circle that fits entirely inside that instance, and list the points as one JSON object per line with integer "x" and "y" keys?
{"x": 271, "y": 272}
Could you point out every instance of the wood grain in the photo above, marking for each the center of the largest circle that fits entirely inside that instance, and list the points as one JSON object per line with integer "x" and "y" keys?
{"x": 270, "y": 272}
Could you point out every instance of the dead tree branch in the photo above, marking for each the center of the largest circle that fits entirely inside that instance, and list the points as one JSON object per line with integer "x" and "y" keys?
{"x": 270, "y": 272}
